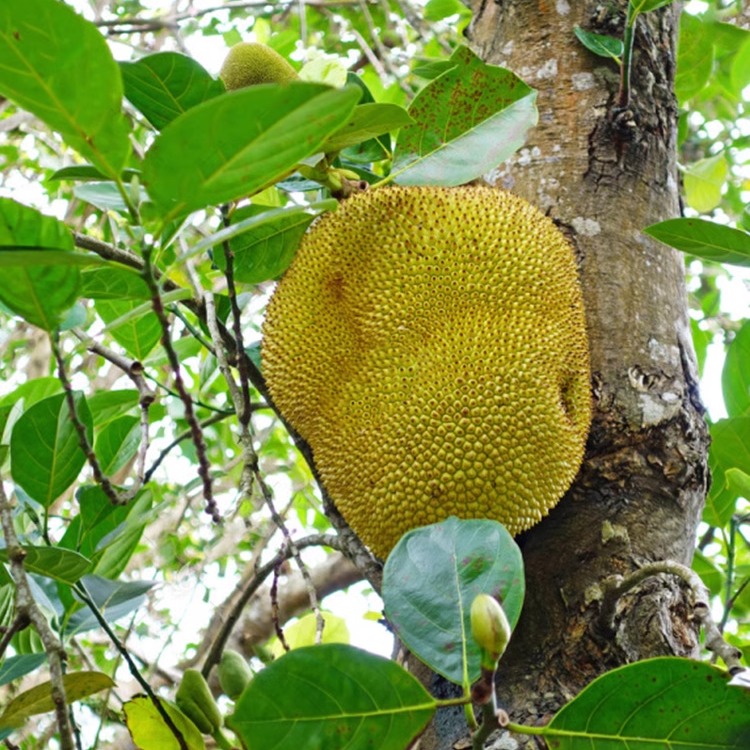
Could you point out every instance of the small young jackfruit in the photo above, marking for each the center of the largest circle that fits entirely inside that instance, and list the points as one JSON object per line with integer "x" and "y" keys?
{"x": 250, "y": 63}
{"x": 430, "y": 346}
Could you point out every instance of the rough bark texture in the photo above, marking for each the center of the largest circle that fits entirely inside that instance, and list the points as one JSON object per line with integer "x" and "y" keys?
{"x": 603, "y": 175}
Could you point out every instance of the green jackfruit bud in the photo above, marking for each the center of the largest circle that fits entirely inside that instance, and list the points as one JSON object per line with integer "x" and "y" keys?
{"x": 195, "y": 700}
{"x": 234, "y": 673}
{"x": 250, "y": 63}
{"x": 490, "y": 629}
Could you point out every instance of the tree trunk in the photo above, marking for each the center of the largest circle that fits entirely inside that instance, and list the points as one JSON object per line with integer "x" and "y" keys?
{"x": 603, "y": 175}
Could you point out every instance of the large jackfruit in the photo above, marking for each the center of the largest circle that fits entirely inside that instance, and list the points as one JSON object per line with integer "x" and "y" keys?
{"x": 430, "y": 346}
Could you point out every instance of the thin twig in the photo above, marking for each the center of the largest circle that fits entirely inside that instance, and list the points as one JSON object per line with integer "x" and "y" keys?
{"x": 204, "y": 468}
{"x": 27, "y": 606}
{"x": 233, "y": 615}
{"x": 157, "y": 23}
{"x": 186, "y": 435}
{"x": 82, "y": 592}
{"x": 616, "y": 587}
{"x": 275, "y": 608}
{"x": 103, "y": 481}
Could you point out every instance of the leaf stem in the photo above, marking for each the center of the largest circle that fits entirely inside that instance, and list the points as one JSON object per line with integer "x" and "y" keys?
{"x": 623, "y": 95}
{"x": 83, "y": 593}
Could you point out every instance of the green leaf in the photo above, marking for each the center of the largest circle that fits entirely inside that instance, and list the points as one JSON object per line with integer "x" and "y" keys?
{"x": 431, "y": 69}
{"x": 331, "y": 696}
{"x": 117, "y": 443}
{"x": 304, "y": 631}
{"x": 34, "y": 258}
{"x": 149, "y": 732}
{"x": 108, "y": 405}
{"x": 114, "y": 550}
{"x": 367, "y": 121}
{"x": 600, "y": 44}
{"x": 15, "y": 667}
{"x": 235, "y": 144}
{"x": 45, "y": 455}
{"x": 165, "y": 85}
{"x": 730, "y": 448}
{"x": 437, "y": 10}
{"x": 703, "y": 181}
{"x": 695, "y": 56}
{"x": 13, "y": 404}
{"x": 113, "y": 283}
{"x": 104, "y": 195}
{"x": 735, "y": 377}
{"x": 86, "y": 172}
{"x": 58, "y": 66}
{"x": 138, "y": 335}
{"x": 40, "y": 294}
{"x": 741, "y": 67}
{"x": 114, "y": 599}
{"x": 61, "y": 565}
{"x": 107, "y": 534}
{"x": 738, "y": 481}
{"x": 253, "y": 223}
{"x": 665, "y": 702}
{"x": 38, "y": 700}
{"x": 330, "y": 71}
{"x": 264, "y": 251}
{"x": 704, "y": 239}
{"x": 644, "y": 6}
{"x": 466, "y": 122}
{"x": 430, "y": 580}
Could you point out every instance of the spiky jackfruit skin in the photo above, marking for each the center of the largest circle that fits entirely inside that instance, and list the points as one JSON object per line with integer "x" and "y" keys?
{"x": 430, "y": 346}
{"x": 250, "y": 63}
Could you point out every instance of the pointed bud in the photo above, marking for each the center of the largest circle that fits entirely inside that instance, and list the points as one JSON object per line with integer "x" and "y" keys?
{"x": 490, "y": 629}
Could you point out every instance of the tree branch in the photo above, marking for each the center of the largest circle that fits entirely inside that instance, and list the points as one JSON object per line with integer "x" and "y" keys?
{"x": 27, "y": 607}
{"x": 616, "y": 586}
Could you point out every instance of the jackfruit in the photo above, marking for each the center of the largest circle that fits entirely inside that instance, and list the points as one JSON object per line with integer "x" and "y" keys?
{"x": 250, "y": 63}
{"x": 430, "y": 346}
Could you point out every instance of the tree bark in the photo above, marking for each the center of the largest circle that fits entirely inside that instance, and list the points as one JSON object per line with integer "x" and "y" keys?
{"x": 603, "y": 175}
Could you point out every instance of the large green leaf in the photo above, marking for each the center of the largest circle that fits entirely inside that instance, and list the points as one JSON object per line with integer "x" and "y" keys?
{"x": 15, "y": 667}
{"x": 264, "y": 251}
{"x": 150, "y": 732}
{"x": 137, "y": 334}
{"x": 13, "y": 404}
{"x": 58, "y": 66}
{"x": 165, "y": 85}
{"x": 233, "y": 145}
{"x": 331, "y": 696}
{"x": 735, "y": 377}
{"x": 108, "y": 405}
{"x": 45, "y": 455}
{"x": 704, "y": 239}
{"x": 730, "y": 448}
{"x": 40, "y": 293}
{"x": 107, "y": 534}
{"x": 117, "y": 442}
{"x": 430, "y": 580}
{"x": 113, "y": 599}
{"x": 113, "y": 283}
{"x": 60, "y": 564}
{"x": 466, "y": 122}
{"x": 368, "y": 121}
{"x": 38, "y": 700}
{"x": 695, "y": 56}
{"x": 659, "y": 704}
{"x": 703, "y": 181}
